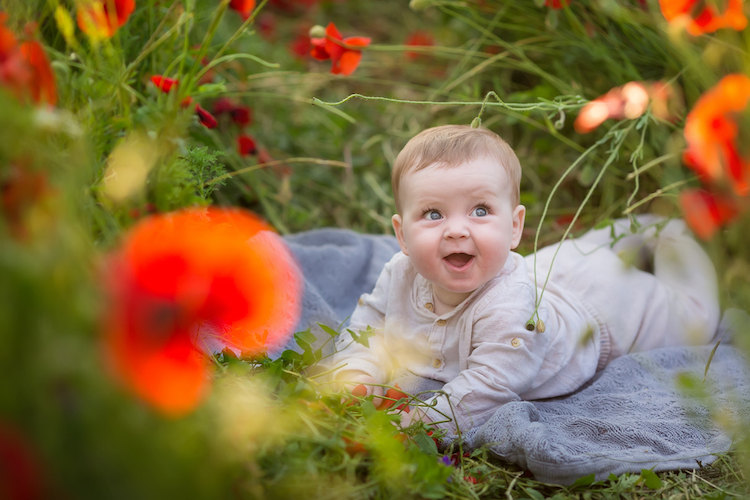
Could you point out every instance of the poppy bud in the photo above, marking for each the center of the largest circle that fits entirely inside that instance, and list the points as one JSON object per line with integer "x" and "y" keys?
{"x": 317, "y": 31}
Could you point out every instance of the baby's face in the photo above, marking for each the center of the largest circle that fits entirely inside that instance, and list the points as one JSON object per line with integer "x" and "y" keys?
{"x": 457, "y": 224}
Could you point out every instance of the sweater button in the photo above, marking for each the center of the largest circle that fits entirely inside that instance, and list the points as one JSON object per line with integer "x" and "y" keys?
{"x": 442, "y": 322}
{"x": 515, "y": 342}
{"x": 429, "y": 306}
{"x": 361, "y": 301}
{"x": 436, "y": 363}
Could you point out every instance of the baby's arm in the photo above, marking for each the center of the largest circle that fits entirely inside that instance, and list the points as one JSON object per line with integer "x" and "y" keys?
{"x": 504, "y": 361}
{"x": 365, "y": 364}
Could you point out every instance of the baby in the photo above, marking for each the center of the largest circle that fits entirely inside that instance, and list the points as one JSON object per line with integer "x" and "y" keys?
{"x": 458, "y": 307}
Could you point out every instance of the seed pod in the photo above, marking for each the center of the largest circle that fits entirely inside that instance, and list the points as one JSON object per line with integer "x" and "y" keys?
{"x": 540, "y": 326}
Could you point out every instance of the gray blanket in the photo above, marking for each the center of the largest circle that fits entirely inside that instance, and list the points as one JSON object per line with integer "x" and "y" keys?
{"x": 643, "y": 411}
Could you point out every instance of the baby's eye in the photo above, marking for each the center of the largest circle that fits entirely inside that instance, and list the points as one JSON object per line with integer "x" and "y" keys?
{"x": 480, "y": 212}
{"x": 432, "y": 215}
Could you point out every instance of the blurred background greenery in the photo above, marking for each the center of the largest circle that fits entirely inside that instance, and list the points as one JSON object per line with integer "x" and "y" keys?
{"x": 115, "y": 148}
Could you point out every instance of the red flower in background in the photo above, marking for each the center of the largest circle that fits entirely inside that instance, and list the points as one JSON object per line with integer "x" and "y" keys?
{"x": 246, "y": 145}
{"x": 20, "y": 469}
{"x": 166, "y": 84}
{"x": 102, "y": 18}
{"x": 705, "y": 212}
{"x": 206, "y": 118}
{"x": 714, "y": 150}
{"x": 627, "y": 101}
{"x": 703, "y": 17}
{"x": 343, "y": 52}
{"x": 24, "y": 69}
{"x": 244, "y": 7}
{"x": 556, "y": 4}
{"x": 176, "y": 273}
{"x": 418, "y": 39}
{"x": 241, "y": 115}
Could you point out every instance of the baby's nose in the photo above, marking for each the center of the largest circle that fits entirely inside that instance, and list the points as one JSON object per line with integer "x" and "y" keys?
{"x": 456, "y": 228}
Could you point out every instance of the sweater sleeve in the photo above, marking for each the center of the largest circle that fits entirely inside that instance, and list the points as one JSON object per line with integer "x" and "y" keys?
{"x": 354, "y": 358}
{"x": 504, "y": 360}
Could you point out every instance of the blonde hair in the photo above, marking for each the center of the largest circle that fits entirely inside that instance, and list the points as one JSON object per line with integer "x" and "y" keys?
{"x": 452, "y": 145}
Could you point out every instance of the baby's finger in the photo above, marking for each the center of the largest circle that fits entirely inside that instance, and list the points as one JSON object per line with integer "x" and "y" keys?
{"x": 377, "y": 393}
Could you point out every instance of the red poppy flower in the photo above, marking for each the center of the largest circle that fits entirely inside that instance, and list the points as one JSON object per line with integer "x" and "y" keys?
{"x": 556, "y": 4}
{"x": 241, "y": 115}
{"x": 246, "y": 145}
{"x": 627, "y": 101}
{"x": 714, "y": 150}
{"x": 164, "y": 83}
{"x": 42, "y": 86}
{"x": 703, "y": 17}
{"x": 396, "y": 395}
{"x": 20, "y": 468}
{"x": 25, "y": 70}
{"x": 102, "y": 18}
{"x": 244, "y": 7}
{"x": 343, "y": 52}
{"x": 418, "y": 39}
{"x": 705, "y": 212}
{"x": 206, "y": 118}
{"x": 176, "y": 273}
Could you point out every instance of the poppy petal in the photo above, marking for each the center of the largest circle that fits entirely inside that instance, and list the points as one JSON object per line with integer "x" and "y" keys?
{"x": 42, "y": 87}
{"x": 347, "y": 63}
{"x": 206, "y": 118}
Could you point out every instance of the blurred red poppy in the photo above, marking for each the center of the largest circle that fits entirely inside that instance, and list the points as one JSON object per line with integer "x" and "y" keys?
{"x": 396, "y": 395}
{"x": 344, "y": 53}
{"x": 556, "y": 4}
{"x": 244, "y": 7}
{"x": 703, "y": 17}
{"x": 177, "y": 273}
{"x": 102, "y": 18}
{"x": 705, "y": 212}
{"x": 418, "y": 39}
{"x": 20, "y": 470}
{"x": 627, "y": 101}
{"x": 42, "y": 85}
{"x": 24, "y": 69}
{"x": 715, "y": 150}
{"x": 241, "y": 115}
{"x": 206, "y": 118}
{"x": 246, "y": 145}
{"x": 164, "y": 83}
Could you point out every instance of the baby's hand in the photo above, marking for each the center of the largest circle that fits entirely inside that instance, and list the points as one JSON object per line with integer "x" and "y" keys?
{"x": 365, "y": 388}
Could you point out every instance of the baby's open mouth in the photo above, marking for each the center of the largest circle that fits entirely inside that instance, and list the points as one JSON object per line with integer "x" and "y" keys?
{"x": 458, "y": 259}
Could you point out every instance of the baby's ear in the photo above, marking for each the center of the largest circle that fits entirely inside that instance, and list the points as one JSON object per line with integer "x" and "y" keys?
{"x": 519, "y": 216}
{"x": 399, "y": 230}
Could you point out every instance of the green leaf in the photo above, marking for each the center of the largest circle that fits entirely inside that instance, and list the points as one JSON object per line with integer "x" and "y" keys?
{"x": 650, "y": 479}
{"x": 533, "y": 494}
{"x": 363, "y": 337}
{"x": 330, "y": 331}
{"x": 585, "y": 481}
{"x": 305, "y": 338}
{"x": 425, "y": 443}
{"x": 368, "y": 409}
